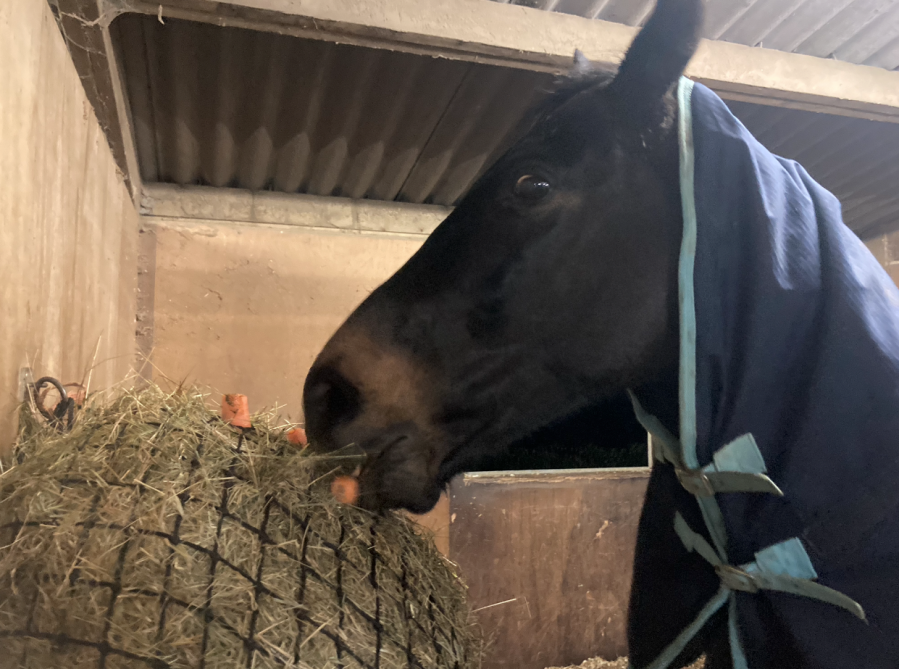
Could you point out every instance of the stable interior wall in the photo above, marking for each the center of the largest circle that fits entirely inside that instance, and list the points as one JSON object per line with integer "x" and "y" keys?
{"x": 68, "y": 228}
{"x": 248, "y": 287}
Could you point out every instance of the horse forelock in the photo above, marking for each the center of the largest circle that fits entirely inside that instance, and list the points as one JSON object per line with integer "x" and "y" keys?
{"x": 565, "y": 89}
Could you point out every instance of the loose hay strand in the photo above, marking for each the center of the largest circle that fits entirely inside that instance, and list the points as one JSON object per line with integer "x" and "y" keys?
{"x": 620, "y": 663}
{"x": 154, "y": 535}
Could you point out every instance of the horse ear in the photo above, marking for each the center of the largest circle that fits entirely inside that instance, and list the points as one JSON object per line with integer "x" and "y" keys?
{"x": 658, "y": 56}
{"x": 581, "y": 67}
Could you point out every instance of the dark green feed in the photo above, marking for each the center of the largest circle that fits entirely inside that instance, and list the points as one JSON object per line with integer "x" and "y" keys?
{"x": 600, "y": 436}
{"x": 155, "y": 535}
{"x": 592, "y": 456}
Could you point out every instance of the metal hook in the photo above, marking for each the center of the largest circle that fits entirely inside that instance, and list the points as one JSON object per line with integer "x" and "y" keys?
{"x": 63, "y": 416}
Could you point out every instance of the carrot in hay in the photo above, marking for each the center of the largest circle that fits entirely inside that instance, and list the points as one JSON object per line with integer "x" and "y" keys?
{"x": 236, "y": 411}
{"x": 297, "y": 437}
{"x": 345, "y": 489}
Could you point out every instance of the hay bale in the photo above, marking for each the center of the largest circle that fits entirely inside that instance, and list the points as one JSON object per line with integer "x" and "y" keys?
{"x": 155, "y": 535}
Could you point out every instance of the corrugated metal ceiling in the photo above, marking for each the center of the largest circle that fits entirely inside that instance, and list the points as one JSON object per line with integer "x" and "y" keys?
{"x": 856, "y": 31}
{"x": 232, "y": 107}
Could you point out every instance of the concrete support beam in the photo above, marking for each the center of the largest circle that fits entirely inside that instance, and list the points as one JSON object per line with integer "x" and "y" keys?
{"x": 516, "y": 36}
{"x": 203, "y": 204}
{"x": 85, "y": 26}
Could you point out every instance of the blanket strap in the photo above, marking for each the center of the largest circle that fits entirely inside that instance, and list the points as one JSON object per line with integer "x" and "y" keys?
{"x": 784, "y": 567}
{"x": 737, "y": 467}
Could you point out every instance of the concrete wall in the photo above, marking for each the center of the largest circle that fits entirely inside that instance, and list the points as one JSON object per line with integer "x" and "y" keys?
{"x": 249, "y": 286}
{"x": 68, "y": 228}
{"x": 246, "y": 307}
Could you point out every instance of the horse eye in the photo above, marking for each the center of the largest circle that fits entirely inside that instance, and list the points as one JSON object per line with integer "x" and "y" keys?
{"x": 531, "y": 188}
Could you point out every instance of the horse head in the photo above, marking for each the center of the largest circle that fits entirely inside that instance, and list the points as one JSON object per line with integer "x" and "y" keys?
{"x": 550, "y": 287}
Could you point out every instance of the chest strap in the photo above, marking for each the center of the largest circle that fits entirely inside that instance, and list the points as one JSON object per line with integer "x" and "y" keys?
{"x": 784, "y": 567}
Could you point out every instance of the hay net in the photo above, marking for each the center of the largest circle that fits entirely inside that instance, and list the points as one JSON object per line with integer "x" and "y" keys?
{"x": 155, "y": 535}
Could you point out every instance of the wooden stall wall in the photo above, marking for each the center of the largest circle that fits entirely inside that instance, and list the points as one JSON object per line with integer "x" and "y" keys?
{"x": 68, "y": 228}
{"x": 547, "y": 557}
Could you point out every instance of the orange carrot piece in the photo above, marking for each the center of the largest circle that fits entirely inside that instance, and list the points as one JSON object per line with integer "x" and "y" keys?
{"x": 345, "y": 489}
{"x": 297, "y": 437}
{"x": 236, "y": 410}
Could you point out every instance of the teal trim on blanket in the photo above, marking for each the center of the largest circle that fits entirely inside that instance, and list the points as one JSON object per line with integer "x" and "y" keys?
{"x": 686, "y": 294}
{"x": 736, "y": 467}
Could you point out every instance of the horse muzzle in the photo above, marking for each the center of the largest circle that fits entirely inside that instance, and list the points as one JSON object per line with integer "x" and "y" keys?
{"x": 400, "y": 456}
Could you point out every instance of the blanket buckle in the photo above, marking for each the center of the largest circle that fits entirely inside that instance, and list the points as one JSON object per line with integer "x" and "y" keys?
{"x": 695, "y": 482}
{"x": 737, "y": 579}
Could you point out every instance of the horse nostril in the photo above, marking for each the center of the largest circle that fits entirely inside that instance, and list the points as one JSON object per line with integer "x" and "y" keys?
{"x": 329, "y": 400}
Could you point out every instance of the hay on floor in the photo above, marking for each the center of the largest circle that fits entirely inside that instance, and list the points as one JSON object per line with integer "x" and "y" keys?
{"x": 155, "y": 535}
{"x": 620, "y": 663}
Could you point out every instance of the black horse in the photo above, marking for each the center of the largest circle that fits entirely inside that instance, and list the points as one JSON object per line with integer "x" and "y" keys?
{"x": 553, "y": 287}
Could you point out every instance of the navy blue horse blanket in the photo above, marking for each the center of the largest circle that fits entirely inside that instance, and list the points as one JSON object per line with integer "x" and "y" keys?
{"x": 796, "y": 343}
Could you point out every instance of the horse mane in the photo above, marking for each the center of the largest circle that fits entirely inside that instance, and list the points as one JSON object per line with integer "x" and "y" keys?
{"x": 566, "y": 87}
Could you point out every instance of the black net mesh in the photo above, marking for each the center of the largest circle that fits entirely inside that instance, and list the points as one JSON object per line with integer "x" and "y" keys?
{"x": 154, "y": 535}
